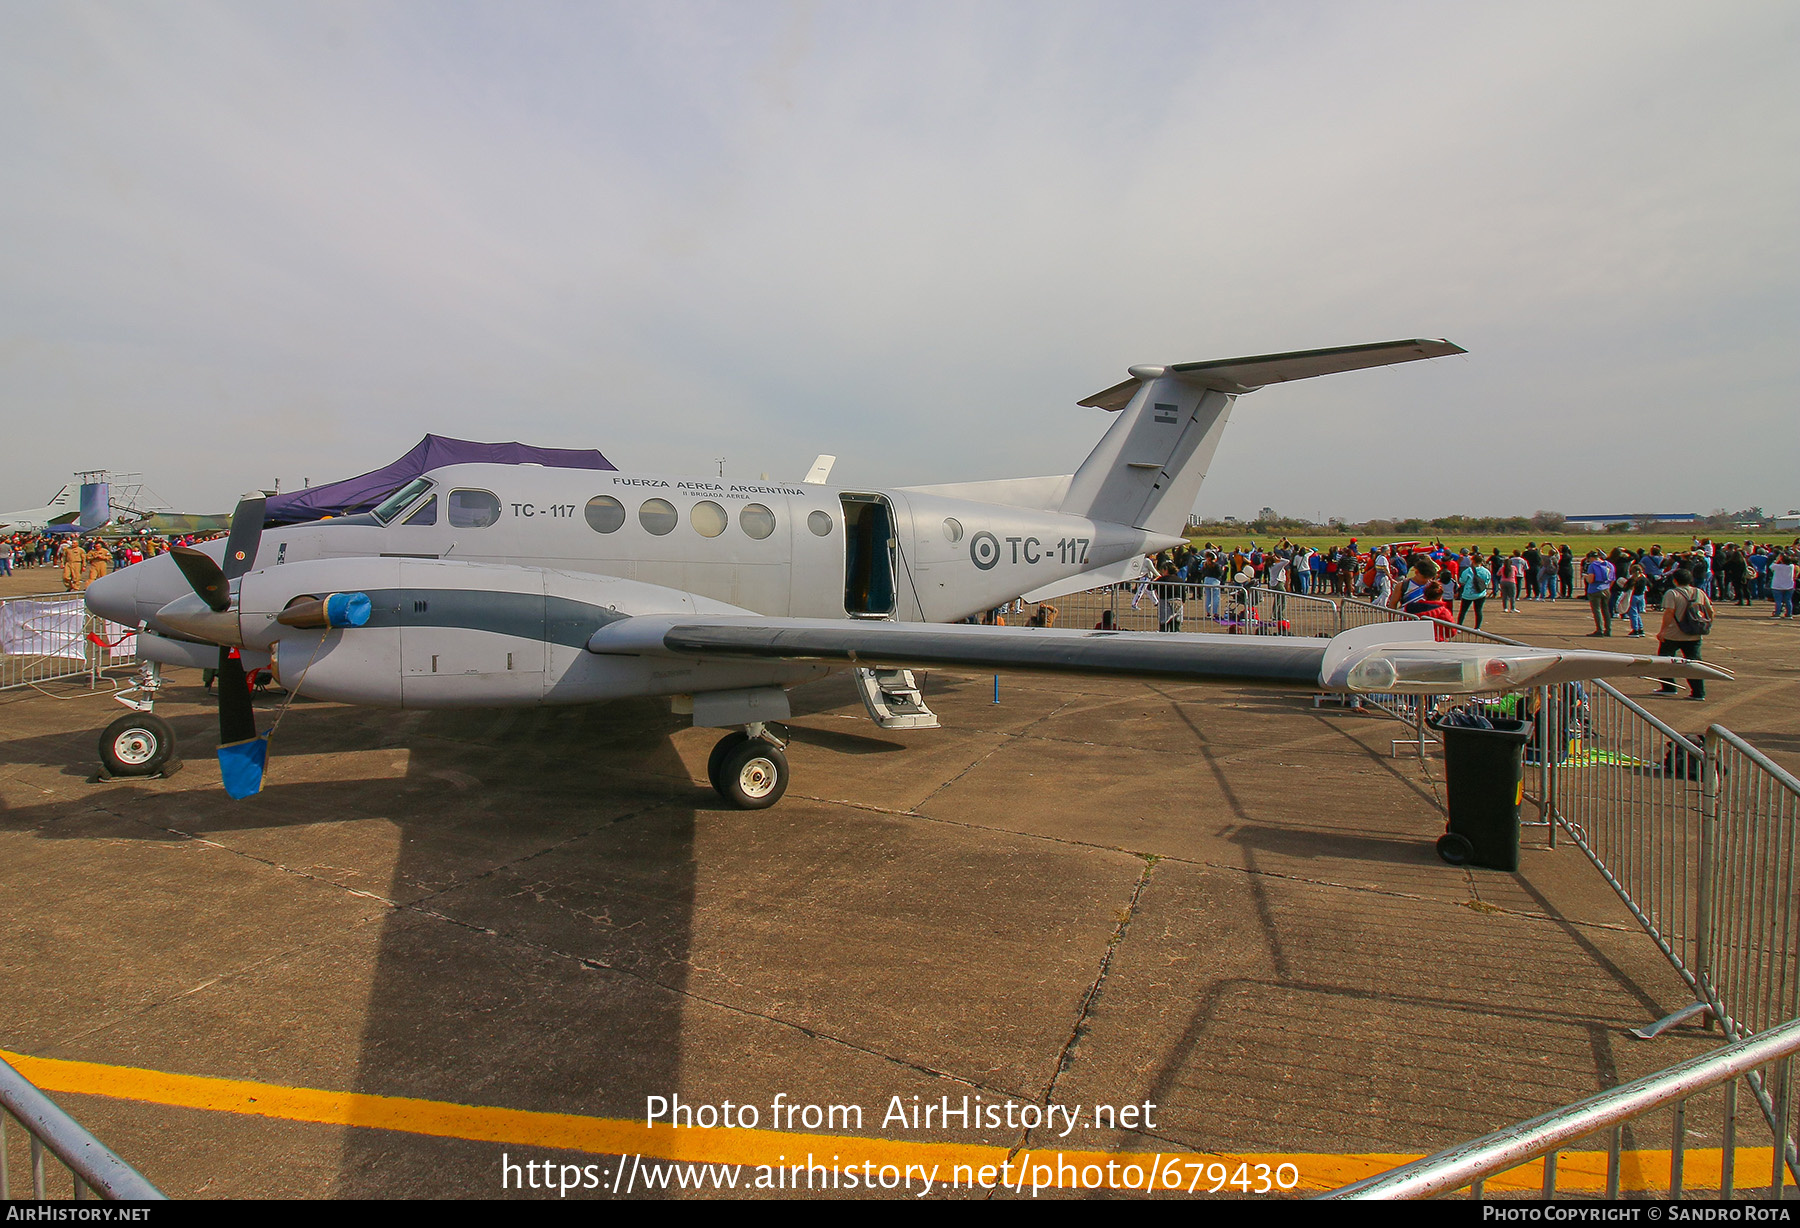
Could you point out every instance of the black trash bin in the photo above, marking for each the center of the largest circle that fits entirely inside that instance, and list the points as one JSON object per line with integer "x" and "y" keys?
{"x": 1484, "y": 773}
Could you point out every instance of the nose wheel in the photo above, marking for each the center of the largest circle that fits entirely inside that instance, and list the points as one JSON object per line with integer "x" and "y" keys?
{"x": 750, "y": 773}
{"x": 137, "y": 744}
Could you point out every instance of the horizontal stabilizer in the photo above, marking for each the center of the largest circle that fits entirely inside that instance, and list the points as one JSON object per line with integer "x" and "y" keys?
{"x": 1038, "y": 494}
{"x": 1241, "y": 375}
{"x": 1125, "y": 572}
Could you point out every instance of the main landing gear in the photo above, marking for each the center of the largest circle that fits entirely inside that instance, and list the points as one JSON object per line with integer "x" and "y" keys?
{"x": 749, "y": 768}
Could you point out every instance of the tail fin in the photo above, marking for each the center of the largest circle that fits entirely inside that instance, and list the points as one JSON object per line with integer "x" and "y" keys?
{"x": 1146, "y": 471}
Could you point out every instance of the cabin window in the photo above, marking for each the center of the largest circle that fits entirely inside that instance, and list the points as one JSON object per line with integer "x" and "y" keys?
{"x": 605, "y": 514}
{"x": 473, "y": 509}
{"x": 658, "y": 516}
{"x": 756, "y": 520}
{"x": 820, "y": 524}
{"x": 952, "y": 529}
{"x": 708, "y": 518}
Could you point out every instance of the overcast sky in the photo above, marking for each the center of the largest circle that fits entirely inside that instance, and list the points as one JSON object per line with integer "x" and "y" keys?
{"x": 248, "y": 242}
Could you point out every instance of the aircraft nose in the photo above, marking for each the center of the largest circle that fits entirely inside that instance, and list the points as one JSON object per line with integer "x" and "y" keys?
{"x": 134, "y": 594}
{"x": 114, "y": 596}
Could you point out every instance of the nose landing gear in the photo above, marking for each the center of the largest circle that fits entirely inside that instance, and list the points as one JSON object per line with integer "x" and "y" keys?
{"x": 137, "y": 744}
{"x": 749, "y": 768}
{"x": 140, "y": 743}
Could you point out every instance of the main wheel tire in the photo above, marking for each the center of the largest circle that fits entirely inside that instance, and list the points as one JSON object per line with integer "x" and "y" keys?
{"x": 726, "y": 745}
{"x": 753, "y": 775}
{"x": 137, "y": 744}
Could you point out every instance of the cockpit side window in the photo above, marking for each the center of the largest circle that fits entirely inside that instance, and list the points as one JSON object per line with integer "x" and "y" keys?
{"x": 427, "y": 513}
{"x": 392, "y": 505}
{"x": 473, "y": 509}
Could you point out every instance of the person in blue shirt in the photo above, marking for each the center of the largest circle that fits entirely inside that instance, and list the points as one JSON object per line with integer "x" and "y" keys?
{"x": 1477, "y": 583}
{"x": 1599, "y": 575}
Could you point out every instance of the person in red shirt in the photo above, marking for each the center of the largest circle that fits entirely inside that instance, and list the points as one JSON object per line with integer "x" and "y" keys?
{"x": 1431, "y": 604}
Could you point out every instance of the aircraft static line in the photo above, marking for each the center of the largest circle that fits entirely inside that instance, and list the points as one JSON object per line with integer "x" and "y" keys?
{"x": 494, "y": 585}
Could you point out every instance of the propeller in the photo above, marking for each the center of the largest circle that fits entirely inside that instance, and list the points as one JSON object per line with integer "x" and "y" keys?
{"x": 242, "y": 753}
{"x": 210, "y": 581}
{"x": 204, "y": 577}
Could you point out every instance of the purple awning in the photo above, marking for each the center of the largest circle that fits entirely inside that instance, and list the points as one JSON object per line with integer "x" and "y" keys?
{"x": 359, "y": 494}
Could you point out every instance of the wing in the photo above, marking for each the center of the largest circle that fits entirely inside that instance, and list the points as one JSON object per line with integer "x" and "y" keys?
{"x": 1392, "y": 657}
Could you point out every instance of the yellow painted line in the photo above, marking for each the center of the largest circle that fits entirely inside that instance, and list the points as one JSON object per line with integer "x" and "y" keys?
{"x": 1576, "y": 1172}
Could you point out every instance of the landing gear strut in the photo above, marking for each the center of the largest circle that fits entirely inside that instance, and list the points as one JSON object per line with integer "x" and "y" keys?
{"x": 748, "y": 768}
{"x": 140, "y": 743}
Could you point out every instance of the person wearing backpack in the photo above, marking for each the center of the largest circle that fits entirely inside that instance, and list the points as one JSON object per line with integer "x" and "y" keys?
{"x": 1477, "y": 581}
{"x": 1600, "y": 575}
{"x": 1687, "y": 618}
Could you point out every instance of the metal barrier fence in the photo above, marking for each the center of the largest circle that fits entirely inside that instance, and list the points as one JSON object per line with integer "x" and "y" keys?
{"x": 1151, "y": 605}
{"x": 1473, "y": 1163}
{"x": 1698, "y": 838}
{"x": 46, "y": 636}
{"x": 1698, "y": 834}
{"x": 1214, "y": 608}
{"x": 1750, "y": 919}
{"x": 92, "y": 1167}
{"x": 1625, "y": 785}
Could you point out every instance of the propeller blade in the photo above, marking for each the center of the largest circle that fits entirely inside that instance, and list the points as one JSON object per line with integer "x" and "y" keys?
{"x": 242, "y": 753}
{"x": 246, "y": 536}
{"x": 237, "y": 719}
{"x": 204, "y": 577}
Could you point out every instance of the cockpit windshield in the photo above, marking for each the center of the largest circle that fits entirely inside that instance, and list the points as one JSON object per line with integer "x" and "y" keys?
{"x": 396, "y": 502}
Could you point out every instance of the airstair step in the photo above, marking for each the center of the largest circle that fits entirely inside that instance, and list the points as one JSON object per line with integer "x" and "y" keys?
{"x": 894, "y": 700}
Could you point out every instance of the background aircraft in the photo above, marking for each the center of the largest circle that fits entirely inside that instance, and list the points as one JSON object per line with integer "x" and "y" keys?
{"x": 491, "y": 585}
{"x": 63, "y": 508}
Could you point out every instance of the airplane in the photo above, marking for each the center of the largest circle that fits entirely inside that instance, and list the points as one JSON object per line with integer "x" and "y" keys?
{"x": 64, "y": 507}
{"x": 482, "y": 585}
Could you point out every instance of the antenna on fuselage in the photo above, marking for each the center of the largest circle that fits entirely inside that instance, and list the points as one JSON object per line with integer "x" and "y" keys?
{"x": 820, "y": 471}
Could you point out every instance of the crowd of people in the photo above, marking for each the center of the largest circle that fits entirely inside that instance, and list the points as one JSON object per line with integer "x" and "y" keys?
{"x": 1426, "y": 577}
{"x": 82, "y": 558}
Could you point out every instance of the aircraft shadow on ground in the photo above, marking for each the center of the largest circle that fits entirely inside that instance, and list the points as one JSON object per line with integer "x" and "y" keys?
{"x": 1335, "y": 845}
{"x": 542, "y": 879}
{"x": 842, "y": 743}
{"x": 1767, "y": 740}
